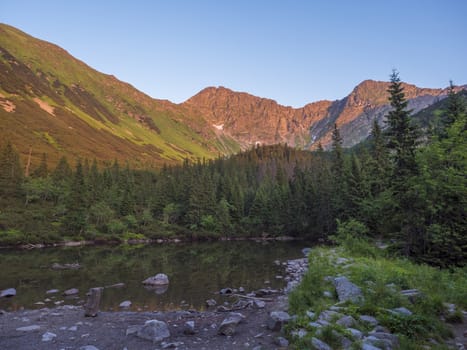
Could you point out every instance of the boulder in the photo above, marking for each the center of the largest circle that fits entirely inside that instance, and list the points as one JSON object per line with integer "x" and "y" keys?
{"x": 158, "y": 280}
{"x": 356, "y": 334}
{"x": 319, "y": 344}
{"x": 229, "y": 324}
{"x": 154, "y": 330}
{"x": 346, "y": 290}
{"x": 6, "y": 293}
{"x": 277, "y": 319}
{"x": 401, "y": 311}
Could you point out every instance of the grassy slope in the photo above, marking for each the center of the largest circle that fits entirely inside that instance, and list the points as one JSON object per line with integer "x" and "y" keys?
{"x": 380, "y": 277}
{"x": 96, "y": 115}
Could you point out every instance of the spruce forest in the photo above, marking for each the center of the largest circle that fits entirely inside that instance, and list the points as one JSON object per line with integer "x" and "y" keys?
{"x": 406, "y": 184}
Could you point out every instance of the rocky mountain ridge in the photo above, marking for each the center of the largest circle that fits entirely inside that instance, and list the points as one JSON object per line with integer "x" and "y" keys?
{"x": 52, "y": 103}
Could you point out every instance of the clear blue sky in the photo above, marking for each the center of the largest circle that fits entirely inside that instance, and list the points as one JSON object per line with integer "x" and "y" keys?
{"x": 293, "y": 51}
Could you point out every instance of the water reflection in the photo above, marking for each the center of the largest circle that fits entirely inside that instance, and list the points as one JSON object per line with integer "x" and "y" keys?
{"x": 196, "y": 271}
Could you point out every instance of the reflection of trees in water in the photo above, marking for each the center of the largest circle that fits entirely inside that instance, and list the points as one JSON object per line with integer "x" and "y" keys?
{"x": 195, "y": 271}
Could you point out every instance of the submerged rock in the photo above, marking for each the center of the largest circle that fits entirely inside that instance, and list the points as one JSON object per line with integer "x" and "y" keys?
{"x": 6, "y": 293}
{"x": 160, "y": 279}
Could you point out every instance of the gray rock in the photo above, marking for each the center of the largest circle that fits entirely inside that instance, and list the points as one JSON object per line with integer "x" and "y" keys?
{"x": 211, "y": 303}
{"x": 369, "y": 319}
{"x": 72, "y": 291}
{"x": 48, "y": 336}
{"x": 88, "y": 347}
{"x": 172, "y": 345}
{"x": 277, "y": 319}
{"x": 125, "y": 304}
{"x": 315, "y": 325}
{"x": 306, "y": 251}
{"x": 226, "y": 291}
{"x": 6, "y": 293}
{"x": 341, "y": 261}
{"x": 319, "y": 344}
{"x": 73, "y": 266}
{"x": 367, "y": 346}
{"x": 412, "y": 294}
{"x": 132, "y": 329}
{"x": 158, "y": 280}
{"x": 346, "y": 321}
{"x": 356, "y": 334}
{"x": 52, "y": 291}
{"x": 154, "y": 330}
{"x": 327, "y": 294}
{"x": 390, "y": 340}
{"x": 346, "y": 343}
{"x": 189, "y": 328}
{"x": 282, "y": 342}
{"x": 229, "y": 324}
{"x": 31, "y": 328}
{"x": 401, "y": 311}
{"x": 259, "y": 304}
{"x": 311, "y": 314}
{"x": 346, "y": 290}
{"x": 328, "y": 315}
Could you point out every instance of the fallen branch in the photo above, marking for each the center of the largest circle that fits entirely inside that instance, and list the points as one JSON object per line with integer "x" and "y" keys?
{"x": 252, "y": 298}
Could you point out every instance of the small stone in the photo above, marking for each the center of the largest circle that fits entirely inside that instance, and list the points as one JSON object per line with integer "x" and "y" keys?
{"x": 189, "y": 328}
{"x": 7, "y": 293}
{"x": 173, "y": 345}
{"x": 88, "y": 347}
{"x": 277, "y": 319}
{"x": 282, "y": 342}
{"x": 48, "y": 336}
{"x": 401, "y": 311}
{"x": 259, "y": 304}
{"x": 328, "y": 315}
{"x": 28, "y": 328}
{"x": 311, "y": 314}
{"x": 125, "y": 304}
{"x": 306, "y": 251}
{"x": 132, "y": 329}
{"x": 226, "y": 291}
{"x": 52, "y": 291}
{"x": 72, "y": 291}
{"x": 211, "y": 303}
{"x": 73, "y": 328}
{"x": 327, "y": 294}
{"x": 241, "y": 290}
{"x": 319, "y": 344}
{"x": 315, "y": 325}
{"x": 229, "y": 324}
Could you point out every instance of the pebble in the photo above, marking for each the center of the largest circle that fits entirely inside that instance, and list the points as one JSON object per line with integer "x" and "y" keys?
{"x": 48, "y": 336}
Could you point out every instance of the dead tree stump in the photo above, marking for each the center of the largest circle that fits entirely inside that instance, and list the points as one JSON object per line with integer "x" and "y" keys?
{"x": 91, "y": 308}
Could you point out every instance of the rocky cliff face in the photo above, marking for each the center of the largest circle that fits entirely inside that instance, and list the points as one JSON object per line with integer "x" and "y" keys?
{"x": 251, "y": 120}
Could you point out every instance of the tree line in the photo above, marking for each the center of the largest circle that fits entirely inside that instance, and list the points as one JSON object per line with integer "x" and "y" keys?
{"x": 401, "y": 184}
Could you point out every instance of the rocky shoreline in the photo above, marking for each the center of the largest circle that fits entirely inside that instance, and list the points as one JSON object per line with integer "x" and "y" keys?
{"x": 245, "y": 320}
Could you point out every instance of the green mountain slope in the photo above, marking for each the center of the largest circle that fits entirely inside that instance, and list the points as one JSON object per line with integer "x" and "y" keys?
{"x": 51, "y": 102}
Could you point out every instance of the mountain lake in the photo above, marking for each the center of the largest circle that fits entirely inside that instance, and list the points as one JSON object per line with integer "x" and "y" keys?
{"x": 196, "y": 271}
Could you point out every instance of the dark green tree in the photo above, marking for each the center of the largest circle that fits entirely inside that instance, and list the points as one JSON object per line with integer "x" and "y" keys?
{"x": 75, "y": 221}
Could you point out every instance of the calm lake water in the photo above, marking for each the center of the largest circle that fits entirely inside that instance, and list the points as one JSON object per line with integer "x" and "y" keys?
{"x": 197, "y": 271}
